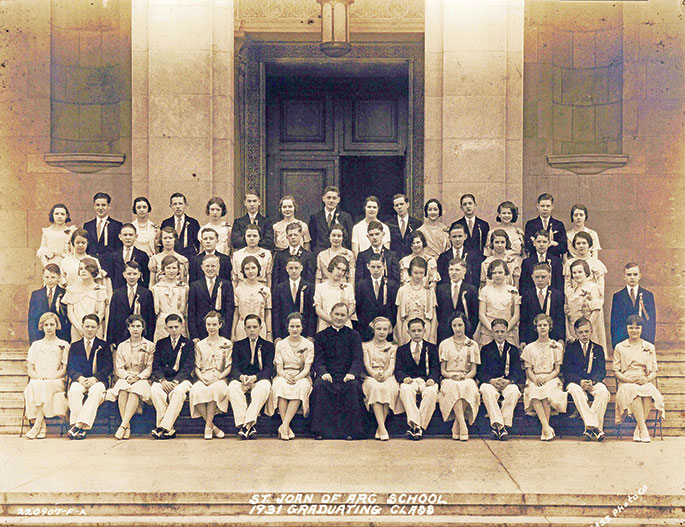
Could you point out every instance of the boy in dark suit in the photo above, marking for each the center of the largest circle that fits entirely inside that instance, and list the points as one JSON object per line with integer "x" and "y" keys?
{"x": 89, "y": 366}
{"x": 172, "y": 369}
{"x": 115, "y": 264}
{"x": 555, "y": 229}
{"x": 103, "y": 231}
{"x": 375, "y": 297}
{"x": 278, "y": 273}
{"x": 209, "y": 238}
{"x": 210, "y": 293}
{"x": 632, "y": 300}
{"x": 253, "y": 361}
{"x": 584, "y": 370}
{"x": 541, "y": 255}
{"x": 131, "y": 299}
{"x": 456, "y": 296}
{"x": 285, "y": 302}
{"x": 472, "y": 260}
{"x": 320, "y": 223}
{"x": 186, "y": 228}
{"x": 48, "y": 299}
{"x": 542, "y": 299}
{"x": 401, "y": 226}
{"x": 476, "y": 228}
{"x": 252, "y": 217}
{"x": 391, "y": 264}
{"x": 499, "y": 374}
{"x": 417, "y": 369}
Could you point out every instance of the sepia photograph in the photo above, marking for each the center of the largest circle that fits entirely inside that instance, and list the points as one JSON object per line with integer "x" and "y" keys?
{"x": 354, "y": 263}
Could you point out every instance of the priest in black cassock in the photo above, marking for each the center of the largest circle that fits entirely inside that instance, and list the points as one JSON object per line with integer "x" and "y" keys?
{"x": 337, "y": 400}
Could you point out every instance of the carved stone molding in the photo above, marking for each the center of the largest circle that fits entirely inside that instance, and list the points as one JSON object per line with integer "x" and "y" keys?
{"x": 587, "y": 164}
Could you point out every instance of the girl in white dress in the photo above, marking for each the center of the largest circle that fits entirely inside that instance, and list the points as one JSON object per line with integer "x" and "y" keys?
{"x": 415, "y": 300}
{"x": 381, "y": 391}
{"x": 635, "y": 368}
{"x": 584, "y": 299}
{"x": 251, "y": 298}
{"x": 582, "y": 244}
{"x": 579, "y": 215}
{"x": 417, "y": 242}
{"x": 507, "y": 216}
{"x": 216, "y": 210}
{"x": 170, "y": 295}
{"x": 288, "y": 207}
{"x": 543, "y": 391}
{"x": 71, "y": 262}
{"x": 292, "y": 385}
{"x": 168, "y": 237}
{"x": 500, "y": 248}
{"x": 332, "y": 291}
{"x": 336, "y": 249}
{"x": 55, "y": 241}
{"x": 435, "y": 231}
{"x": 148, "y": 232}
{"x": 459, "y": 396}
{"x": 132, "y": 369}
{"x": 262, "y": 255}
{"x": 47, "y": 366}
{"x": 360, "y": 231}
{"x": 209, "y": 394}
{"x": 497, "y": 300}
{"x": 85, "y": 298}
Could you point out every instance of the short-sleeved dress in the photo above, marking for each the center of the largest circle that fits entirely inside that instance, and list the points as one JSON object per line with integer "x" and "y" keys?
{"x": 414, "y": 303}
{"x": 324, "y": 258}
{"x": 251, "y": 300}
{"x": 146, "y": 240}
{"x": 223, "y": 245}
{"x": 327, "y": 295}
{"x": 155, "y": 266}
{"x": 597, "y": 272}
{"x": 581, "y": 298}
{"x": 380, "y": 358}
{"x": 437, "y": 238}
{"x": 294, "y": 359}
{"x": 265, "y": 263}
{"x": 55, "y": 241}
{"x": 169, "y": 298}
{"x": 542, "y": 358}
{"x": 500, "y": 302}
{"x": 281, "y": 238}
{"x": 70, "y": 265}
{"x": 432, "y": 276}
{"x": 47, "y": 357}
{"x": 515, "y": 236}
{"x": 459, "y": 357}
{"x": 594, "y": 250}
{"x": 211, "y": 357}
{"x": 132, "y": 359}
{"x": 513, "y": 264}
{"x": 638, "y": 358}
{"x": 85, "y": 301}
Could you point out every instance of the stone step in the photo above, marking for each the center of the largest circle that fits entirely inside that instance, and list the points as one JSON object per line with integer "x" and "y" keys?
{"x": 13, "y": 367}
{"x": 13, "y": 382}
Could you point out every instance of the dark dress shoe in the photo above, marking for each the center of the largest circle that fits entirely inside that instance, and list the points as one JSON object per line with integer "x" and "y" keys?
{"x": 600, "y": 435}
{"x": 73, "y": 432}
{"x": 503, "y": 434}
{"x": 168, "y": 434}
{"x": 418, "y": 434}
{"x": 252, "y": 433}
{"x": 242, "y": 433}
{"x": 410, "y": 433}
{"x": 157, "y": 432}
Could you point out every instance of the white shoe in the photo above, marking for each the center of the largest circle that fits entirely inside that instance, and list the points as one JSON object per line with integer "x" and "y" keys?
{"x": 637, "y": 437}
{"x": 644, "y": 437}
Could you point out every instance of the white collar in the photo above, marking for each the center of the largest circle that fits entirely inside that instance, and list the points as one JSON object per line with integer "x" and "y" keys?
{"x": 543, "y": 291}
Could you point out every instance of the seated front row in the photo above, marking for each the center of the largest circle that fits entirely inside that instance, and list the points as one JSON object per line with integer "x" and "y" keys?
{"x": 348, "y": 377}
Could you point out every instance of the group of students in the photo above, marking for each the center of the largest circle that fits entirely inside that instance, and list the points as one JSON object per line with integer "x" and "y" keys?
{"x": 366, "y": 316}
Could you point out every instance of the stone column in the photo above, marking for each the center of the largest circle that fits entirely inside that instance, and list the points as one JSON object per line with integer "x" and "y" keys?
{"x": 474, "y": 102}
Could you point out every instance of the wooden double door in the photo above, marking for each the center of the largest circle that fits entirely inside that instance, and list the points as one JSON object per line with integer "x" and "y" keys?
{"x": 348, "y": 132}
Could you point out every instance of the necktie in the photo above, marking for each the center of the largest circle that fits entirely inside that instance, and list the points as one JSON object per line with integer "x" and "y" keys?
{"x": 210, "y": 286}
{"x": 632, "y": 296}
{"x": 50, "y": 293}
{"x": 101, "y": 224}
{"x": 177, "y": 363}
{"x": 88, "y": 347}
{"x": 416, "y": 354}
{"x": 293, "y": 292}
{"x": 131, "y": 296}
{"x": 541, "y": 299}
{"x": 127, "y": 256}
{"x": 455, "y": 296}
{"x": 545, "y": 224}
{"x": 470, "y": 225}
{"x": 252, "y": 345}
{"x": 403, "y": 226}
{"x": 376, "y": 288}
{"x": 329, "y": 219}
{"x": 179, "y": 226}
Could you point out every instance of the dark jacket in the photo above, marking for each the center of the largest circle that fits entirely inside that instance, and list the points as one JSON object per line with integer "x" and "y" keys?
{"x": 282, "y": 305}
{"x": 554, "y": 226}
{"x": 475, "y": 242}
{"x": 530, "y": 307}
{"x": 622, "y": 307}
{"x": 164, "y": 360}
{"x": 473, "y": 262}
{"x": 526, "y": 281}
{"x": 78, "y": 365}
{"x": 188, "y": 243}
{"x": 492, "y": 365}
{"x": 338, "y": 352}
{"x": 201, "y": 302}
{"x": 574, "y": 367}
{"x": 319, "y": 231}
{"x": 405, "y": 366}
{"x": 266, "y": 232}
{"x": 97, "y": 246}
{"x": 370, "y": 306}
{"x": 114, "y": 264}
{"x": 446, "y": 308}
{"x": 278, "y": 272}
{"x": 195, "y": 271}
{"x": 241, "y": 359}
{"x": 120, "y": 310}
{"x": 38, "y": 305}
{"x": 398, "y": 243}
{"x": 392, "y": 265}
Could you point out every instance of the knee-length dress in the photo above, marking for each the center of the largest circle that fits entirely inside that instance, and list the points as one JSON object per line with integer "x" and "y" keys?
{"x": 581, "y": 299}
{"x": 437, "y": 238}
{"x": 640, "y": 359}
{"x": 170, "y": 298}
{"x": 281, "y": 237}
{"x": 223, "y": 244}
{"x": 432, "y": 276}
{"x": 500, "y": 302}
{"x": 324, "y": 258}
{"x": 542, "y": 358}
{"x": 459, "y": 357}
{"x": 56, "y": 242}
{"x": 211, "y": 358}
{"x": 415, "y": 303}
{"x": 293, "y": 359}
{"x": 251, "y": 300}
{"x": 47, "y": 357}
{"x": 85, "y": 301}
{"x": 327, "y": 295}
{"x": 265, "y": 262}
{"x": 379, "y": 359}
{"x": 155, "y": 266}
{"x": 132, "y": 359}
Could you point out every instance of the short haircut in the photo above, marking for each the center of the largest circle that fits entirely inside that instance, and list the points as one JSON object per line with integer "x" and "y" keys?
{"x": 252, "y": 192}
{"x": 630, "y": 265}
{"x": 421, "y": 236}
{"x": 209, "y": 229}
{"x": 214, "y": 314}
{"x": 253, "y": 227}
{"x": 494, "y": 265}
{"x": 129, "y": 226}
{"x": 287, "y": 197}
{"x": 79, "y": 233}
{"x": 462, "y": 316}
{"x": 582, "y": 263}
{"x": 581, "y": 322}
{"x": 168, "y": 260}
{"x": 338, "y": 260}
{"x": 457, "y": 227}
{"x": 418, "y": 261}
{"x": 293, "y": 258}
{"x": 582, "y": 236}
{"x": 252, "y": 316}
{"x": 432, "y": 200}
{"x": 295, "y": 315}
{"x": 373, "y": 199}
{"x": 177, "y": 195}
{"x": 132, "y": 264}
{"x": 216, "y": 200}
{"x": 91, "y": 265}
{"x": 102, "y": 195}
{"x": 546, "y": 196}
{"x": 52, "y": 268}
{"x": 338, "y": 227}
{"x": 416, "y": 320}
{"x": 374, "y": 225}
{"x": 340, "y": 304}
{"x": 331, "y": 188}
{"x": 293, "y": 226}
{"x": 91, "y": 316}
{"x": 49, "y": 315}
{"x": 542, "y": 266}
{"x": 169, "y": 230}
{"x": 136, "y": 318}
{"x": 141, "y": 199}
{"x": 51, "y": 214}
{"x": 247, "y": 260}
{"x": 635, "y": 320}
{"x": 508, "y": 205}
{"x": 173, "y": 317}
{"x": 579, "y": 206}
{"x": 378, "y": 319}
{"x": 376, "y": 258}
{"x": 500, "y": 233}
{"x": 464, "y": 196}
{"x": 210, "y": 256}
{"x": 399, "y": 196}
{"x": 542, "y": 233}
{"x": 543, "y": 316}
{"x": 456, "y": 261}
{"x": 499, "y": 322}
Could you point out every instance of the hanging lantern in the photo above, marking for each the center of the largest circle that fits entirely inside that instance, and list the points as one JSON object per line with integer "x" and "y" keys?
{"x": 335, "y": 27}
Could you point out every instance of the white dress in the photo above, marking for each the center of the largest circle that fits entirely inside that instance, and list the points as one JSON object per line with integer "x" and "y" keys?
{"x": 169, "y": 298}
{"x": 57, "y": 242}
{"x": 132, "y": 359}
{"x": 432, "y": 276}
{"x": 499, "y": 303}
{"x": 281, "y": 238}
{"x": 211, "y": 358}
{"x": 86, "y": 301}
{"x": 265, "y": 263}
{"x": 459, "y": 357}
{"x": 293, "y": 359}
{"x": 327, "y": 295}
{"x": 146, "y": 240}
{"x": 514, "y": 234}
{"x": 513, "y": 264}
{"x": 542, "y": 358}
{"x": 379, "y": 359}
{"x": 597, "y": 272}
{"x": 70, "y": 265}
{"x": 251, "y": 300}
{"x": 580, "y": 299}
{"x": 47, "y": 359}
{"x": 594, "y": 250}
{"x": 223, "y": 245}
{"x": 437, "y": 238}
{"x": 324, "y": 258}
{"x": 155, "y": 266}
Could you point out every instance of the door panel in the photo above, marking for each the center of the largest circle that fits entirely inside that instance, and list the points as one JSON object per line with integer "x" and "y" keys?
{"x": 371, "y": 125}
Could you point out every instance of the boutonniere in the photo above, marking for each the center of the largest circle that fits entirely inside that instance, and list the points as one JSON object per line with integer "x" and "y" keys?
{"x": 553, "y": 344}
{"x": 61, "y": 347}
{"x": 342, "y": 286}
{"x": 646, "y": 350}
{"x": 144, "y": 348}
{"x": 300, "y": 351}
{"x": 262, "y": 254}
{"x": 263, "y": 292}
{"x": 468, "y": 342}
{"x": 136, "y": 305}
{"x": 302, "y": 298}
{"x": 256, "y": 221}
{"x": 225, "y": 346}
{"x": 225, "y": 224}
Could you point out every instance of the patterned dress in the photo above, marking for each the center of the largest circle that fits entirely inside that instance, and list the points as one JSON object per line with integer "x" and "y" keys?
{"x": 211, "y": 358}
{"x": 414, "y": 303}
